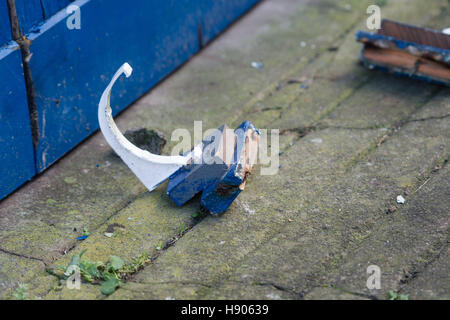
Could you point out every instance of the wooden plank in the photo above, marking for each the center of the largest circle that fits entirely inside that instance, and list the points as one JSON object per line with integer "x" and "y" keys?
{"x": 16, "y": 149}
{"x": 410, "y": 33}
{"x": 50, "y": 7}
{"x": 5, "y": 28}
{"x": 29, "y": 13}
{"x": 72, "y": 67}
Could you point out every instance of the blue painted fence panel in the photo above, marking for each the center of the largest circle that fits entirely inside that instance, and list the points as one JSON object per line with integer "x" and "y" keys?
{"x": 50, "y": 7}
{"x": 29, "y": 13}
{"x": 16, "y": 149}
{"x": 71, "y": 68}
{"x": 5, "y": 27}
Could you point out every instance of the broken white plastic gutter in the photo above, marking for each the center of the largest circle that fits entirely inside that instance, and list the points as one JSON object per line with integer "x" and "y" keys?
{"x": 150, "y": 168}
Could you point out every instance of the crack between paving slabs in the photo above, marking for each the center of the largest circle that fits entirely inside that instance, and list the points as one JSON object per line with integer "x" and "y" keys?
{"x": 412, "y": 276}
{"x": 22, "y": 256}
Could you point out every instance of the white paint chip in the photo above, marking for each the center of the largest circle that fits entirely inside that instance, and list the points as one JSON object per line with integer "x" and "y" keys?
{"x": 273, "y": 296}
{"x": 400, "y": 199}
{"x": 257, "y": 65}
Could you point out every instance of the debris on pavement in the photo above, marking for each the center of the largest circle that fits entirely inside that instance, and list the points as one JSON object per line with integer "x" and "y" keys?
{"x": 257, "y": 65}
{"x": 407, "y": 50}
{"x": 400, "y": 199}
{"x": 109, "y": 232}
{"x": 111, "y": 228}
{"x": 218, "y": 166}
{"x": 234, "y": 154}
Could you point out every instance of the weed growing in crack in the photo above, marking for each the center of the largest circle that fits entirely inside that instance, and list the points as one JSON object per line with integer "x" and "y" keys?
{"x": 392, "y": 295}
{"x": 21, "y": 292}
{"x": 109, "y": 275}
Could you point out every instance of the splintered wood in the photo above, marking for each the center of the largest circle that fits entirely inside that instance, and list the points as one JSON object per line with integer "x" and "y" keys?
{"x": 226, "y": 162}
{"x": 408, "y": 50}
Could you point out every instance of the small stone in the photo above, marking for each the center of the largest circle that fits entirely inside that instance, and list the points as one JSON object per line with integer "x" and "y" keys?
{"x": 109, "y": 234}
{"x": 400, "y": 199}
{"x": 257, "y": 65}
{"x": 446, "y": 31}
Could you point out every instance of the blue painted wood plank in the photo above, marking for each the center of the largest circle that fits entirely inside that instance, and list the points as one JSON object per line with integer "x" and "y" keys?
{"x": 5, "y": 26}
{"x": 50, "y": 7}
{"x": 218, "y": 196}
{"x": 193, "y": 178}
{"x": 16, "y": 148}
{"x": 29, "y": 13}
{"x": 221, "y": 181}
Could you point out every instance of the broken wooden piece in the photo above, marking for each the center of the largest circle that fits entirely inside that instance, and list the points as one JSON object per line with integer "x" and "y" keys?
{"x": 407, "y": 50}
{"x": 214, "y": 162}
{"x": 218, "y": 196}
{"x": 222, "y": 181}
{"x": 218, "y": 166}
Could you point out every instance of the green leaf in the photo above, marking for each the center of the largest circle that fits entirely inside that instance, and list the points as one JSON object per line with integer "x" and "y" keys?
{"x": 116, "y": 263}
{"x": 93, "y": 271}
{"x": 109, "y": 286}
{"x": 392, "y": 295}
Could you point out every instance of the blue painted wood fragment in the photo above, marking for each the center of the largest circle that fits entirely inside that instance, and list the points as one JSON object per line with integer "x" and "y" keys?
{"x": 217, "y": 197}
{"x": 221, "y": 183}
{"x": 16, "y": 147}
{"x": 407, "y": 50}
{"x": 212, "y": 164}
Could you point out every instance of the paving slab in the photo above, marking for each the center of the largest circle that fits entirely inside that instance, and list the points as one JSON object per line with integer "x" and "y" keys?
{"x": 351, "y": 141}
